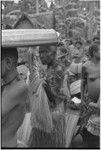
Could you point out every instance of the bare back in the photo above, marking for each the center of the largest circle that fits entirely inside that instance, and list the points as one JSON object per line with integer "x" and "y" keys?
{"x": 12, "y": 120}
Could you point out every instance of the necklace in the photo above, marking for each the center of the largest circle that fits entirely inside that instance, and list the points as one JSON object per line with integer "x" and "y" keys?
{"x": 8, "y": 83}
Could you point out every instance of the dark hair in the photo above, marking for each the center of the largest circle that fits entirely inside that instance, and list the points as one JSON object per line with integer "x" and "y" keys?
{"x": 46, "y": 47}
{"x": 21, "y": 63}
{"x": 8, "y": 26}
{"x": 93, "y": 48}
{"x": 60, "y": 44}
{"x": 78, "y": 42}
{"x": 9, "y": 52}
{"x": 96, "y": 38}
{"x": 88, "y": 41}
{"x": 70, "y": 42}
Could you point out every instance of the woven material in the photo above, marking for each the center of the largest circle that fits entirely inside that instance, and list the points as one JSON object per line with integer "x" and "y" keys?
{"x": 71, "y": 119}
{"x": 93, "y": 125}
{"x": 75, "y": 87}
{"x": 54, "y": 139}
{"x": 40, "y": 113}
{"x": 24, "y": 131}
{"x": 20, "y": 144}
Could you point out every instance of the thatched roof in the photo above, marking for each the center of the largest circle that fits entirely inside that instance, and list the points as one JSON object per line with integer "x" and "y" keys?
{"x": 46, "y": 19}
{"x": 43, "y": 20}
{"x": 24, "y": 18}
{"x": 8, "y": 20}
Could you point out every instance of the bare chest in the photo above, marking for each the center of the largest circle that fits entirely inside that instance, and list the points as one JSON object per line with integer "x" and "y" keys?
{"x": 93, "y": 72}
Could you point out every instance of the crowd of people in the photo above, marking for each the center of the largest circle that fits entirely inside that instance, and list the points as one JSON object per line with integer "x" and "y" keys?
{"x": 35, "y": 97}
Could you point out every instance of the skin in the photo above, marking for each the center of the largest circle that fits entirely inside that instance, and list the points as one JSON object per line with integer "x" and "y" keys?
{"x": 22, "y": 70}
{"x": 91, "y": 84}
{"x": 48, "y": 56}
{"x": 96, "y": 105}
{"x": 91, "y": 78}
{"x": 14, "y": 96}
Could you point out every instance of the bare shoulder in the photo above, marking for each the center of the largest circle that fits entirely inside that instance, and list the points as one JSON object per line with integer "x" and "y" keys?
{"x": 86, "y": 64}
{"x": 16, "y": 94}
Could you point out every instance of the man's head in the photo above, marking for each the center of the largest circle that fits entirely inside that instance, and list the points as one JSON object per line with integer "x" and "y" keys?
{"x": 96, "y": 38}
{"x": 88, "y": 42}
{"x": 94, "y": 51}
{"x": 78, "y": 44}
{"x": 70, "y": 42}
{"x": 9, "y": 58}
{"x": 47, "y": 54}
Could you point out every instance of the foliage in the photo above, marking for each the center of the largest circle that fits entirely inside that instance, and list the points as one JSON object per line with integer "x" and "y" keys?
{"x": 68, "y": 15}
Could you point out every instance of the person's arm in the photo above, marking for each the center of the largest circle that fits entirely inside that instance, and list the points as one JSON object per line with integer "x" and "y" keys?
{"x": 96, "y": 105}
{"x": 83, "y": 82}
{"x": 49, "y": 93}
{"x": 15, "y": 96}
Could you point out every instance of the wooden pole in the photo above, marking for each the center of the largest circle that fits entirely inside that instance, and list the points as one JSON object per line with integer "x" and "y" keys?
{"x": 90, "y": 22}
{"x": 37, "y": 6}
{"x": 28, "y": 37}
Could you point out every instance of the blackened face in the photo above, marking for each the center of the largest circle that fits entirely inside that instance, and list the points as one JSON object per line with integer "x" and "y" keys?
{"x": 47, "y": 55}
{"x": 43, "y": 54}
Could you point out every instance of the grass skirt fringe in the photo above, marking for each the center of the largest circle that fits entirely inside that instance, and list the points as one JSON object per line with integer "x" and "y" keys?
{"x": 55, "y": 139}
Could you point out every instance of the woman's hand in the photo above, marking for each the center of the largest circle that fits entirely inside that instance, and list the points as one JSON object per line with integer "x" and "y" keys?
{"x": 94, "y": 105}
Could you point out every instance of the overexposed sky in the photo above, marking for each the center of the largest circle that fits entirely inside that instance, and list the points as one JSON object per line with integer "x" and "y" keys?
{"x": 49, "y": 2}
{"x": 16, "y": 1}
{"x": 3, "y": 6}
